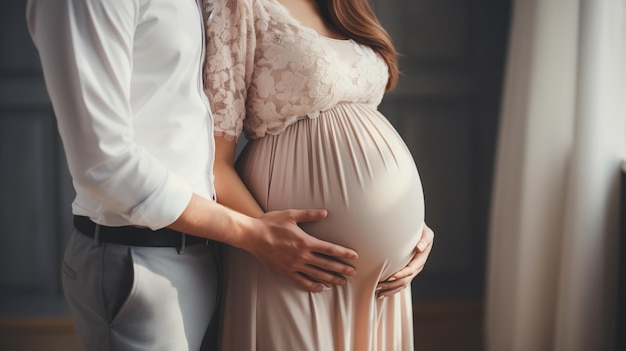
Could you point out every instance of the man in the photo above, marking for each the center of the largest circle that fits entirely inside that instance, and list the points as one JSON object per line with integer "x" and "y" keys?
{"x": 125, "y": 84}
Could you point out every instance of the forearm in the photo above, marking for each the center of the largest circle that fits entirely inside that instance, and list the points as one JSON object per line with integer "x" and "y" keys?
{"x": 207, "y": 219}
{"x": 233, "y": 193}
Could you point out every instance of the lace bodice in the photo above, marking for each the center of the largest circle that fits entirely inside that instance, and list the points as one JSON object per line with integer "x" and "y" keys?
{"x": 265, "y": 70}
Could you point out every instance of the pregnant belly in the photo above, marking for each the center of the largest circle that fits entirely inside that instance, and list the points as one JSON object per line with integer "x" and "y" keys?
{"x": 351, "y": 162}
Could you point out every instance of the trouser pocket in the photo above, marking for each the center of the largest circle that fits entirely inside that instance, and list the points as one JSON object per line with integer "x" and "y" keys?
{"x": 97, "y": 278}
{"x": 117, "y": 278}
{"x": 68, "y": 271}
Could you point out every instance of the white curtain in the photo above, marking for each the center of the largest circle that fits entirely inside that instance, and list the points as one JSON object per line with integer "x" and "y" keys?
{"x": 554, "y": 221}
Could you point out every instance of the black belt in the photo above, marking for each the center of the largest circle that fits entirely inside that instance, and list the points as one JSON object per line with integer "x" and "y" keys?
{"x": 135, "y": 236}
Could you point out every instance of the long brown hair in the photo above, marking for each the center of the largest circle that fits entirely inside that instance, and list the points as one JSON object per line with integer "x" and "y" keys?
{"x": 356, "y": 20}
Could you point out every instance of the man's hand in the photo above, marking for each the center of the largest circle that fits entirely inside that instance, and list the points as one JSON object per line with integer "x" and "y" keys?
{"x": 283, "y": 247}
{"x": 404, "y": 277}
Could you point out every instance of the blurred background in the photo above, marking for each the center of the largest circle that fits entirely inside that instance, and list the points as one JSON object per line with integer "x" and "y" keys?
{"x": 489, "y": 102}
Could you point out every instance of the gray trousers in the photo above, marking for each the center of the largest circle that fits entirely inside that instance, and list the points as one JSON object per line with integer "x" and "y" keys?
{"x": 139, "y": 298}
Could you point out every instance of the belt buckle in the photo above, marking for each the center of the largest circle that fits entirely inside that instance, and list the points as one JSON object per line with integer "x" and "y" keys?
{"x": 183, "y": 243}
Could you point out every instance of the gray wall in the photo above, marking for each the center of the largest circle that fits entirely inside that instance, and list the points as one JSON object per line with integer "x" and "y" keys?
{"x": 446, "y": 108}
{"x": 35, "y": 192}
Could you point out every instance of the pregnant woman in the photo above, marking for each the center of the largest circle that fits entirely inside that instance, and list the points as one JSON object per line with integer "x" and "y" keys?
{"x": 303, "y": 79}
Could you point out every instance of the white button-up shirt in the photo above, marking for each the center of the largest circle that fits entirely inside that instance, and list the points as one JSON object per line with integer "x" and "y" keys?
{"x": 125, "y": 81}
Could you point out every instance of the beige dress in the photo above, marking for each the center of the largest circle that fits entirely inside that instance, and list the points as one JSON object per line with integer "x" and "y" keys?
{"x": 309, "y": 106}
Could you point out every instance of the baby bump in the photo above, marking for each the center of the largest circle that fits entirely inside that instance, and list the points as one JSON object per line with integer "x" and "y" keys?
{"x": 351, "y": 162}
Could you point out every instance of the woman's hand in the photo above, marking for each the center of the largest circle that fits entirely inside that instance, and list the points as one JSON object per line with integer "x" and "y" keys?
{"x": 404, "y": 277}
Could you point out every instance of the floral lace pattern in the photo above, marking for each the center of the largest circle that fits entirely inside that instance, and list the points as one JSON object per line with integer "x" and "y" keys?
{"x": 264, "y": 70}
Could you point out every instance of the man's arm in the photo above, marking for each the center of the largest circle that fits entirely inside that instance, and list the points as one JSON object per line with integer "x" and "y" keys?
{"x": 275, "y": 239}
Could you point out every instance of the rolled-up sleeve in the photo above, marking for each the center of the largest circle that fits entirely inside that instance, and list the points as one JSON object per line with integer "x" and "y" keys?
{"x": 86, "y": 50}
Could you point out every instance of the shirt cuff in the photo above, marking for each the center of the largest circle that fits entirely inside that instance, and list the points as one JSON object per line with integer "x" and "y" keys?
{"x": 164, "y": 205}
